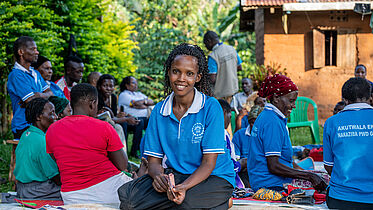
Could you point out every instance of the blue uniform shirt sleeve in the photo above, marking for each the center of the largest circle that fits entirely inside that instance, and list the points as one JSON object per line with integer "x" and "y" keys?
{"x": 328, "y": 155}
{"x": 213, "y": 138}
{"x": 152, "y": 144}
{"x": 212, "y": 65}
{"x": 239, "y": 61}
{"x": 16, "y": 84}
{"x": 236, "y": 143}
{"x": 272, "y": 139}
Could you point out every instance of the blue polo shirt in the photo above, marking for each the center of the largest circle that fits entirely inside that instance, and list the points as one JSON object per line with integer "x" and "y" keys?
{"x": 241, "y": 142}
{"x": 200, "y": 131}
{"x": 23, "y": 84}
{"x": 245, "y": 121}
{"x": 269, "y": 137}
{"x": 348, "y": 143}
{"x": 56, "y": 90}
{"x": 213, "y": 66}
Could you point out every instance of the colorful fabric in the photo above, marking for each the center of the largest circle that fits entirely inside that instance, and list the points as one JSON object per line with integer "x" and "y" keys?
{"x": 200, "y": 131}
{"x": 33, "y": 163}
{"x": 59, "y": 103}
{"x": 266, "y": 194}
{"x": 347, "y": 141}
{"x": 23, "y": 84}
{"x": 80, "y": 145}
{"x": 269, "y": 137}
{"x": 277, "y": 84}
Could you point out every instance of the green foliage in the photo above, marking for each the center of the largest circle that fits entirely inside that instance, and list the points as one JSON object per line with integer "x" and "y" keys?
{"x": 161, "y": 25}
{"x": 260, "y": 72}
{"x": 103, "y": 36}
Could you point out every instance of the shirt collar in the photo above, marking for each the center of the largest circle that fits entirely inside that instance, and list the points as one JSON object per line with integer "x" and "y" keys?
{"x": 248, "y": 131}
{"x": 217, "y": 45}
{"x": 269, "y": 106}
{"x": 198, "y": 103}
{"x": 36, "y": 129}
{"x": 20, "y": 67}
{"x": 357, "y": 106}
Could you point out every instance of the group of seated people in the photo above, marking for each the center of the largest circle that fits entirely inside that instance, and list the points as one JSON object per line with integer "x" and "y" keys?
{"x": 191, "y": 161}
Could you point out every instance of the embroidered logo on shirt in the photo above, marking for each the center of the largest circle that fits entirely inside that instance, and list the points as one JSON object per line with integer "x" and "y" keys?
{"x": 197, "y": 131}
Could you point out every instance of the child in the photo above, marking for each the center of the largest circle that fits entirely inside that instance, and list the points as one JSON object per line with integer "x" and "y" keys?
{"x": 238, "y": 166}
{"x": 188, "y": 128}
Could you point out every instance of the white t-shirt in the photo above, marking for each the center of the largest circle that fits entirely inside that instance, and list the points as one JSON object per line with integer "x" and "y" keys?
{"x": 125, "y": 99}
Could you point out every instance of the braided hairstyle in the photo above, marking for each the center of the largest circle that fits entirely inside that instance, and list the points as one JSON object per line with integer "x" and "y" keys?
{"x": 203, "y": 85}
{"x": 34, "y": 109}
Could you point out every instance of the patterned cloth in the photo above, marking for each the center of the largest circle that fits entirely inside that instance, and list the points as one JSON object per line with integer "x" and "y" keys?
{"x": 277, "y": 84}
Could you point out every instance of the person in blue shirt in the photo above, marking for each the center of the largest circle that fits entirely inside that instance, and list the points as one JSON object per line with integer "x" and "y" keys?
{"x": 188, "y": 128}
{"x": 44, "y": 67}
{"x": 348, "y": 139}
{"x": 24, "y": 83}
{"x": 270, "y": 163}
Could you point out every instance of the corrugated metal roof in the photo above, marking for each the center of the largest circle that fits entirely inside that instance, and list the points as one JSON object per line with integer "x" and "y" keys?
{"x": 247, "y": 3}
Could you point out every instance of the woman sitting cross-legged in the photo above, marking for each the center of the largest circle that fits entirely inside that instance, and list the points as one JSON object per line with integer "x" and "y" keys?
{"x": 36, "y": 172}
{"x": 188, "y": 128}
{"x": 270, "y": 163}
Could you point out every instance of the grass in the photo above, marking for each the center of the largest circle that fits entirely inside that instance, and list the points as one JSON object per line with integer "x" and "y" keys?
{"x": 302, "y": 136}
{"x": 5, "y": 152}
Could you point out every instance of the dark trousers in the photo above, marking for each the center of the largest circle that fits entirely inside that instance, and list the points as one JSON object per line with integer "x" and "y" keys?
{"x": 18, "y": 133}
{"x": 137, "y": 133}
{"x": 212, "y": 193}
{"x": 333, "y": 203}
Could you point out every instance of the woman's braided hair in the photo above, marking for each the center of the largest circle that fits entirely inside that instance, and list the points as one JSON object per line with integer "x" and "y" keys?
{"x": 34, "y": 109}
{"x": 203, "y": 85}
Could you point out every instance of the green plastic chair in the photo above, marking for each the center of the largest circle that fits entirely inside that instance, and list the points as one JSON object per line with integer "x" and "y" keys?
{"x": 233, "y": 121}
{"x": 299, "y": 117}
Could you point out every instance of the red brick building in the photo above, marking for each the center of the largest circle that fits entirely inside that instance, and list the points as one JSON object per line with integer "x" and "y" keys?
{"x": 319, "y": 42}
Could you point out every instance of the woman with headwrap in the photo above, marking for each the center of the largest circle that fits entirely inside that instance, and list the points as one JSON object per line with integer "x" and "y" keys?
{"x": 44, "y": 67}
{"x": 270, "y": 163}
{"x": 62, "y": 106}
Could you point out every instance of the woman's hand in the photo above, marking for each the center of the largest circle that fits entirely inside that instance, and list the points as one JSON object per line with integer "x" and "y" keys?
{"x": 179, "y": 192}
{"x": 160, "y": 183}
{"x": 317, "y": 182}
{"x": 132, "y": 121}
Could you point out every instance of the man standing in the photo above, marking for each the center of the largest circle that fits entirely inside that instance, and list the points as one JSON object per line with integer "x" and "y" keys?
{"x": 223, "y": 64}
{"x": 24, "y": 83}
{"x": 74, "y": 68}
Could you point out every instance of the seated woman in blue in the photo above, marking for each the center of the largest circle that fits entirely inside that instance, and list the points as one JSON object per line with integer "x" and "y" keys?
{"x": 347, "y": 149}
{"x": 270, "y": 163}
{"x": 188, "y": 128}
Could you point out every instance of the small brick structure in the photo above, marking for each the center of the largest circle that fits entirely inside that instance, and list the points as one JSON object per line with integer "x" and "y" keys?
{"x": 319, "y": 49}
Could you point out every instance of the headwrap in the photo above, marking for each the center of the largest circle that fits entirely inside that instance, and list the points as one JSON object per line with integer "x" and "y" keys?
{"x": 59, "y": 103}
{"x": 255, "y": 111}
{"x": 39, "y": 62}
{"x": 279, "y": 84}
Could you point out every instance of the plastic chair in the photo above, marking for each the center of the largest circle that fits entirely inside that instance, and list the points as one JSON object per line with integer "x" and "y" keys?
{"x": 299, "y": 117}
{"x": 233, "y": 121}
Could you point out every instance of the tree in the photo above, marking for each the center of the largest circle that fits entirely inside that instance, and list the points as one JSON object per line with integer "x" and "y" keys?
{"x": 103, "y": 37}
